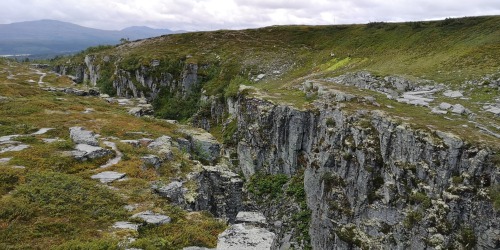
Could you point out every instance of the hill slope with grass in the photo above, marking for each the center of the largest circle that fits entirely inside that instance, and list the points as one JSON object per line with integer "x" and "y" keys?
{"x": 383, "y": 135}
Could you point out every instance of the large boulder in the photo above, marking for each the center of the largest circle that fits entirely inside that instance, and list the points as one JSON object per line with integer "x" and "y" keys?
{"x": 81, "y": 136}
{"x": 84, "y": 152}
{"x": 174, "y": 192}
{"x": 203, "y": 145}
{"x": 162, "y": 146}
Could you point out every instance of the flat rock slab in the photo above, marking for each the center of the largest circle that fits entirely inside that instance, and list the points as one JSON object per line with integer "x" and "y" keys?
{"x": 8, "y": 138}
{"x": 81, "y": 136}
{"x": 42, "y": 131}
{"x": 245, "y": 237}
{"x": 251, "y": 217}
{"x": 4, "y": 160}
{"x": 494, "y": 110}
{"x": 198, "y": 248}
{"x": 126, "y": 225}
{"x": 108, "y": 176}
{"x": 152, "y": 218}
{"x": 16, "y": 148}
{"x": 453, "y": 94}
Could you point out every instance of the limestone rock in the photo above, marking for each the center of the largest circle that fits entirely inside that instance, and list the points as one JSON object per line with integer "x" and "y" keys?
{"x": 445, "y": 106}
{"x": 255, "y": 218}
{"x": 439, "y": 111}
{"x": 152, "y": 218}
{"x": 174, "y": 192}
{"x": 246, "y": 237}
{"x": 162, "y": 146}
{"x": 151, "y": 160}
{"x": 81, "y": 136}
{"x": 108, "y": 176}
{"x": 203, "y": 145}
{"x": 458, "y": 109}
{"x": 453, "y": 94}
{"x": 88, "y": 152}
{"x": 141, "y": 110}
{"x": 126, "y": 225}
{"x": 14, "y": 148}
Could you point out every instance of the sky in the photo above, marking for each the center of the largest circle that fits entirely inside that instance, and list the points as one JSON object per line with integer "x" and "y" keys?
{"x": 236, "y": 14}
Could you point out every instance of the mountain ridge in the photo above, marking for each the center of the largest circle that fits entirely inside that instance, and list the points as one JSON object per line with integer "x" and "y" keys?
{"x": 49, "y": 36}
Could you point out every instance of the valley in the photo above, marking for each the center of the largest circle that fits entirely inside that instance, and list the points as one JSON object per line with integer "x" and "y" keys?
{"x": 376, "y": 136}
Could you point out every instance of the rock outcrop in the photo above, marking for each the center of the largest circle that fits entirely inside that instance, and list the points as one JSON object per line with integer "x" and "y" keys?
{"x": 373, "y": 181}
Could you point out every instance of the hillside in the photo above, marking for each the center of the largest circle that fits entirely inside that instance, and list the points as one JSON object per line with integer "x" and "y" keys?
{"x": 56, "y": 37}
{"x": 376, "y": 136}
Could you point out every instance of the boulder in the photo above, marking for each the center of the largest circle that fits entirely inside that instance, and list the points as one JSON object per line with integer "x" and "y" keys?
{"x": 152, "y": 218}
{"x": 245, "y": 237}
{"x": 162, "y": 146}
{"x": 142, "y": 110}
{"x": 203, "y": 145}
{"x": 174, "y": 192}
{"x": 458, "y": 109}
{"x": 88, "y": 152}
{"x": 151, "y": 160}
{"x": 445, "y": 106}
{"x": 81, "y": 136}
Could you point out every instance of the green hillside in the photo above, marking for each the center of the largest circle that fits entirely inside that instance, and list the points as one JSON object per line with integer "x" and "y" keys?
{"x": 448, "y": 51}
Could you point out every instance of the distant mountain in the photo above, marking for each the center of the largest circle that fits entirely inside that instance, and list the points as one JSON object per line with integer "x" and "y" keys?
{"x": 56, "y": 37}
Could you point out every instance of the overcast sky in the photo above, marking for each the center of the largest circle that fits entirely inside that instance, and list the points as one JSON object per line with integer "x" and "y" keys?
{"x": 236, "y": 14}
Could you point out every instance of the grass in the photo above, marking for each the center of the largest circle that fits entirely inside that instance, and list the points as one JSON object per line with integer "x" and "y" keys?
{"x": 444, "y": 51}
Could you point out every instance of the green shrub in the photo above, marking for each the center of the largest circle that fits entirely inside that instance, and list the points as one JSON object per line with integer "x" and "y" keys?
{"x": 267, "y": 185}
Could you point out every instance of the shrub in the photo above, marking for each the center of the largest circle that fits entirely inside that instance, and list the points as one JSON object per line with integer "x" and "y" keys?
{"x": 267, "y": 185}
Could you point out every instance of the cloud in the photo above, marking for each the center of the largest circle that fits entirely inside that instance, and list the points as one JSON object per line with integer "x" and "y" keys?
{"x": 236, "y": 14}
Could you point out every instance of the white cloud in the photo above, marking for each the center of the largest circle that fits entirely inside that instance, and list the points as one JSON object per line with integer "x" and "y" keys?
{"x": 224, "y": 14}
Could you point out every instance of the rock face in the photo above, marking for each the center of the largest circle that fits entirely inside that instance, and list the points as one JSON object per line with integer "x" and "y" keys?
{"x": 372, "y": 181}
{"x": 144, "y": 82}
{"x": 219, "y": 191}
